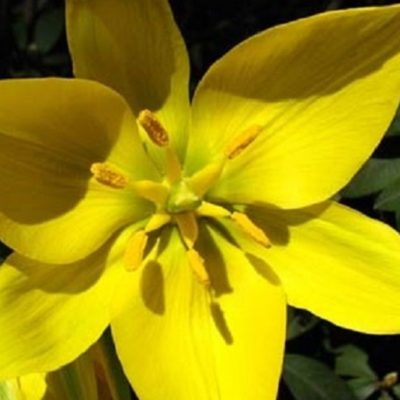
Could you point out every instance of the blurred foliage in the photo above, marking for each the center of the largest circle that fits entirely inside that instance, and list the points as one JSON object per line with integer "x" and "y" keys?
{"x": 323, "y": 362}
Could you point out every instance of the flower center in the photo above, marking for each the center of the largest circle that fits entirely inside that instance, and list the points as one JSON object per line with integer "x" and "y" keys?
{"x": 182, "y": 198}
{"x": 178, "y": 199}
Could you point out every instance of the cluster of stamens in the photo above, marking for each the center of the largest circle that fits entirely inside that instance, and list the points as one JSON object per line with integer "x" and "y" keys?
{"x": 178, "y": 199}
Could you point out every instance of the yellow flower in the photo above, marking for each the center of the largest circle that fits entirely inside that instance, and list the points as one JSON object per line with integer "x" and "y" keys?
{"x": 188, "y": 228}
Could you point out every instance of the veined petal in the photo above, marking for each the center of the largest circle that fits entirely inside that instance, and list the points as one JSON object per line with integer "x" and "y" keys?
{"x": 324, "y": 89}
{"x": 51, "y": 210}
{"x": 336, "y": 263}
{"x": 136, "y": 48}
{"x": 50, "y": 314}
{"x": 177, "y": 340}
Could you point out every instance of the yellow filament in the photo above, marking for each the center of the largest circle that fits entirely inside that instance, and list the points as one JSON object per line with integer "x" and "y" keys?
{"x": 205, "y": 179}
{"x": 198, "y": 268}
{"x": 173, "y": 170}
{"x": 250, "y": 228}
{"x": 241, "y": 142}
{"x": 135, "y": 250}
{"x": 108, "y": 175}
{"x": 188, "y": 228}
{"x": 153, "y": 191}
{"x": 153, "y": 128}
{"x": 157, "y": 221}
{"x": 211, "y": 210}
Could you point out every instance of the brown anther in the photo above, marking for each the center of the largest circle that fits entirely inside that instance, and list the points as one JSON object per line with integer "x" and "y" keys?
{"x": 250, "y": 228}
{"x": 241, "y": 142}
{"x": 108, "y": 175}
{"x": 153, "y": 128}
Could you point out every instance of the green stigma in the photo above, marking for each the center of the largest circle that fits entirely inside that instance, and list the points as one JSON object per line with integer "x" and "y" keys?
{"x": 182, "y": 198}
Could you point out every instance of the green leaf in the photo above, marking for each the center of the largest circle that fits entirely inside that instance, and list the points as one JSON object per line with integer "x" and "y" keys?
{"x": 353, "y": 362}
{"x": 20, "y": 32}
{"x": 309, "y": 379}
{"x": 374, "y": 176}
{"x": 389, "y": 198}
{"x": 299, "y": 322}
{"x": 48, "y": 29}
{"x": 385, "y": 396}
{"x": 396, "y": 390}
{"x": 363, "y": 388}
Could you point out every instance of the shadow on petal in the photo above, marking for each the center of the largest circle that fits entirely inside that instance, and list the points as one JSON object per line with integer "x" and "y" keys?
{"x": 214, "y": 261}
{"x": 54, "y": 184}
{"x": 264, "y": 269}
{"x": 221, "y": 323}
{"x": 72, "y": 278}
{"x": 153, "y": 287}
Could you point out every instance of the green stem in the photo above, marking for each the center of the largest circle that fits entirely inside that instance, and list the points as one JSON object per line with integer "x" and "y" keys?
{"x": 117, "y": 381}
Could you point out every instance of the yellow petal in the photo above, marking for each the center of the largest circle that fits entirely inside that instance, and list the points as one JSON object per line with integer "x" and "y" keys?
{"x": 336, "y": 263}
{"x": 51, "y": 132}
{"x": 177, "y": 340}
{"x": 135, "y": 48}
{"x": 27, "y": 387}
{"x": 324, "y": 89}
{"x": 50, "y": 314}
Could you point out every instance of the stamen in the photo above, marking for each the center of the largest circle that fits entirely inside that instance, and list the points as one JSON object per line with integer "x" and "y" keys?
{"x": 251, "y": 229}
{"x": 241, "y": 142}
{"x": 205, "y": 179}
{"x": 197, "y": 265}
{"x": 173, "y": 170}
{"x": 157, "y": 221}
{"x": 153, "y": 191}
{"x": 153, "y": 128}
{"x": 211, "y": 210}
{"x": 108, "y": 175}
{"x": 188, "y": 228}
{"x": 135, "y": 250}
